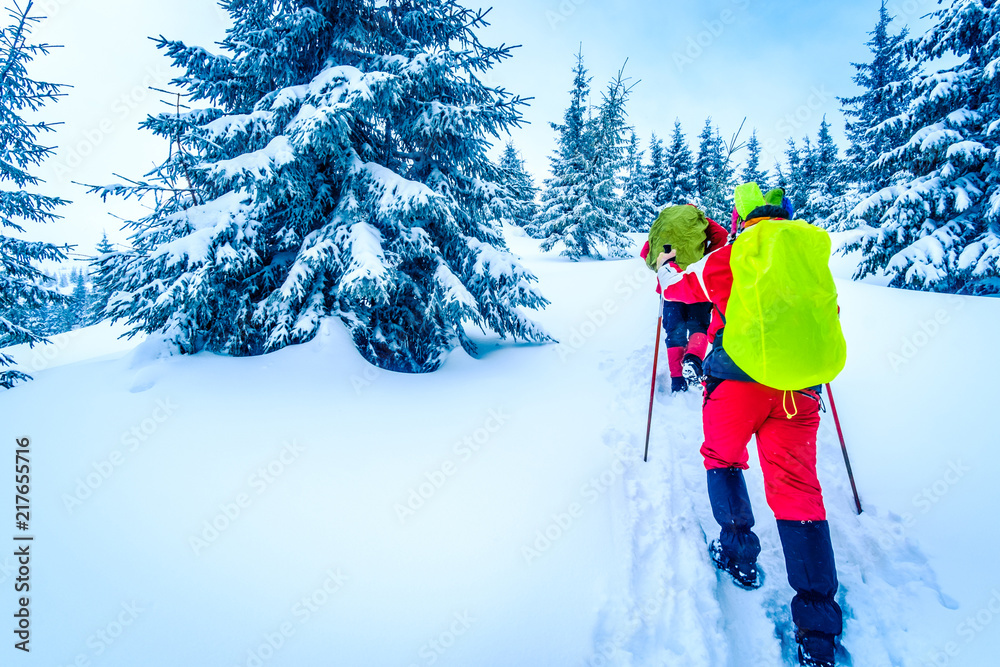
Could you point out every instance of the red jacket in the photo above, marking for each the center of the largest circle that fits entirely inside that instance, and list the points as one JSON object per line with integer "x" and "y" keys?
{"x": 709, "y": 279}
{"x": 716, "y": 237}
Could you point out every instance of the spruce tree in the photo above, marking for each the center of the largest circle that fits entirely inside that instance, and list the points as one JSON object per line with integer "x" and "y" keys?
{"x": 659, "y": 177}
{"x": 24, "y": 288}
{"x": 580, "y": 208}
{"x": 713, "y": 175}
{"x": 719, "y": 201}
{"x": 610, "y": 159}
{"x": 339, "y": 168}
{"x": 637, "y": 210}
{"x": 751, "y": 170}
{"x": 796, "y": 178}
{"x": 99, "y": 268}
{"x": 518, "y": 207}
{"x": 780, "y": 177}
{"x": 569, "y": 164}
{"x": 823, "y": 179}
{"x": 938, "y": 227}
{"x": 704, "y": 176}
{"x": 80, "y": 304}
{"x": 886, "y": 87}
{"x": 828, "y": 165}
{"x": 680, "y": 186}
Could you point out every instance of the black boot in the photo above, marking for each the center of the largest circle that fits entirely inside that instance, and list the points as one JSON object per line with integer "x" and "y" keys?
{"x": 745, "y": 575}
{"x": 692, "y": 369}
{"x": 812, "y": 572}
{"x": 678, "y": 384}
{"x": 738, "y": 547}
{"x": 816, "y": 649}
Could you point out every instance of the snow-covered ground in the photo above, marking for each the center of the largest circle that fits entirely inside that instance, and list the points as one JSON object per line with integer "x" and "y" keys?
{"x": 303, "y": 508}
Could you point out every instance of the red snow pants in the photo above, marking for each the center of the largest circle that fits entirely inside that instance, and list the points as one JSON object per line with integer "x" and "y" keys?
{"x": 785, "y": 423}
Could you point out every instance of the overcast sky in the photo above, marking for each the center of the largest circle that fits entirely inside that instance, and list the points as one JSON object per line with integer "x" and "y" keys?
{"x": 780, "y": 64}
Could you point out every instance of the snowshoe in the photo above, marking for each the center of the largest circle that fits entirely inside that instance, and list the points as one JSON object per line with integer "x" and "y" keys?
{"x": 678, "y": 384}
{"x": 745, "y": 575}
{"x": 692, "y": 369}
{"x": 816, "y": 649}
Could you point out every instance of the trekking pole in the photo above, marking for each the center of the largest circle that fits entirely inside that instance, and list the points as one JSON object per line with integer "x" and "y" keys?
{"x": 652, "y": 384}
{"x": 843, "y": 446}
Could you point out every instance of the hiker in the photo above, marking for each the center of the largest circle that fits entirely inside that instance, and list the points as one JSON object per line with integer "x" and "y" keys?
{"x": 784, "y": 421}
{"x": 776, "y": 195}
{"x": 685, "y": 325}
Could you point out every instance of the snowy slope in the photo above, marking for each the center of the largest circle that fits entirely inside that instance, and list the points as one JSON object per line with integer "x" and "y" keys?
{"x": 303, "y": 508}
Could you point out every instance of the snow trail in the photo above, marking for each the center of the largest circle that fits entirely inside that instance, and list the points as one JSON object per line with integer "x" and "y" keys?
{"x": 674, "y": 608}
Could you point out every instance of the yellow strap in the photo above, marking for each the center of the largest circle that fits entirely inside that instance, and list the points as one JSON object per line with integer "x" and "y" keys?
{"x": 784, "y": 398}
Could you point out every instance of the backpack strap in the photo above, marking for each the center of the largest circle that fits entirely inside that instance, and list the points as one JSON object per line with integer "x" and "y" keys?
{"x": 719, "y": 311}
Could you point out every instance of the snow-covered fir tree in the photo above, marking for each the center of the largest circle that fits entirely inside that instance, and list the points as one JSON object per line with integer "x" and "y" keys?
{"x": 610, "y": 158}
{"x": 680, "y": 186}
{"x": 827, "y": 164}
{"x": 71, "y": 311}
{"x": 580, "y": 206}
{"x": 519, "y": 207}
{"x": 713, "y": 175}
{"x": 703, "y": 164}
{"x": 24, "y": 288}
{"x": 751, "y": 169}
{"x": 939, "y": 228}
{"x": 823, "y": 178}
{"x": 637, "y": 209}
{"x": 80, "y": 304}
{"x": 796, "y": 176}
{"x": 886, "y": 87}
{"x": 340, "y": 169}
{"x": 565, "y": 192}
{"x": 659, "y": 187}
{"x": 99, "y": 267}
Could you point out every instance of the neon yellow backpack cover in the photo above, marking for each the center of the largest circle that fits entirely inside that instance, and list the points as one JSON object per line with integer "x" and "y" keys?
{"x": 782, "y": 326}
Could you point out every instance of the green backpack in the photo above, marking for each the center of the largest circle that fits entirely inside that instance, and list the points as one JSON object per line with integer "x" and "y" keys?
{"x": 683, "y": 227}
{"x": 782, "y": 324}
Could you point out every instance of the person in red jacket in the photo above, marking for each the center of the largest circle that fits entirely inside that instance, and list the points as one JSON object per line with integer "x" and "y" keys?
{"x": 785, "y": 424}
{"x": 685, "y": 325}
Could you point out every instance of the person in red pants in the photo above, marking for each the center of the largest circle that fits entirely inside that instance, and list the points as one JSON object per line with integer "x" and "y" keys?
{"x": 685, "y": 325}
{"x": 785, "y": 424}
